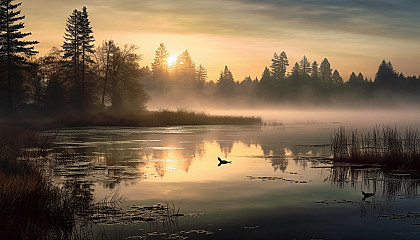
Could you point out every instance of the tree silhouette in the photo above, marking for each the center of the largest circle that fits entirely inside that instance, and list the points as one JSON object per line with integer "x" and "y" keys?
{"x": 201, "y": 75}
{"x": 295, "y": 74}
{"x": 160, "y": 73}
{"x": 86, "y": 39}
{"x": 13, "y": 49}
{"x": 160, "y": 64}
{"x": 279, "y": 65}
{"x": 105, "y": 56}
{"x": 77, "y": 46}
{"x": 225, "y": 83}
{"x": 353, "y": 80}
{"x": 305, "y": 67}
{"x": 336, "y": 78}
{"x": 325, "y": 72}
{"x": 266, "y": 78}
{"x": 184, "y": 66}
{"x": 315, "y": 71}
{"x": 51, "y": 71}
{"x": 386, "y": 74}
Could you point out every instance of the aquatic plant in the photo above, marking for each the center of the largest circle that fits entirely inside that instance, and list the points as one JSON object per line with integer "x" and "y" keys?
{"x": 381, "y": 146}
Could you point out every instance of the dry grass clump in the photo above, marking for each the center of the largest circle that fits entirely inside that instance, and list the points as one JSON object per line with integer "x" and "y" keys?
{"x": 384, "y": 145}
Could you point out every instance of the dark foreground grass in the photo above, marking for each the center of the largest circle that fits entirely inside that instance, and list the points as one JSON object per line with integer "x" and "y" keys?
{"x": 384, "y": 145}
{"x": 31, "y": 207}
{"x": 152, "y": 119}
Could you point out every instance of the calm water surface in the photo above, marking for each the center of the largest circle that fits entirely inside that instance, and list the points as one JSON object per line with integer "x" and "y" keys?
{"x": 280, "y": 184}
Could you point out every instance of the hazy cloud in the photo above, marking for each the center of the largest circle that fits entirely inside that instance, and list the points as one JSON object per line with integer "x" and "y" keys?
{"x": 274, "y": 18}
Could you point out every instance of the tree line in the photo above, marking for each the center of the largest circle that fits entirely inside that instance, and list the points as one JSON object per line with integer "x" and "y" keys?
{"x": 305, "y": 83}
{"x": 80, "y": 76}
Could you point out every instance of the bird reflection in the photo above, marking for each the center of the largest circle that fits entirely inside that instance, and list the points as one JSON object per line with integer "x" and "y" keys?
{"x": 222, "y": 162}
{"x": 367, "y": 195}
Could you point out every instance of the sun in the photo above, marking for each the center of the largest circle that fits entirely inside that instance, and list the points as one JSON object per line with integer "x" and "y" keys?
{"x": 171, "y": 60}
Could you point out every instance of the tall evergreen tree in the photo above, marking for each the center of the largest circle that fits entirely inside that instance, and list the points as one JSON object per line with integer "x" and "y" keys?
{"x": 295, "y": 74}
{"x": 336, "y": 78}
{"x": 325, "y": 72}
{"x": 160, "y": 64}
{"x": 386, "y": 74}
{"x": 305, "y": 67}
{"x": 13, "y": 49}
{"x": 86, "y": 39}
{"x": 353, "y": 81}
{"x": 315, "y": 70}
{"x": 201, "y": 75}
{"x": 226, "y": 83}
{"x": 279, "y": 65}
{"x": 360, "y": 78}
{"x": 160, "y": 70}
{"x": 266, "y": 77}
{"x": 77, "y": 46}
{"x": 184, "y": 66}
{"x": 72, "y": 51}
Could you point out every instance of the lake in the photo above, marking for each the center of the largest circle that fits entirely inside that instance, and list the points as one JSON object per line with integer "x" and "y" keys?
{"x": 167, "y": 183}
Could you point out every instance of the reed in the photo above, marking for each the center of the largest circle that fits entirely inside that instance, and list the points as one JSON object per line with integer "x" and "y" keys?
{"x": 384, "y": 145}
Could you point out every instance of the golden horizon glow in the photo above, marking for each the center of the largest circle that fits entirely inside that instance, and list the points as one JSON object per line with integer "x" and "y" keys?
{"x": 244, "y": 34}
{"x": 171, "y": 60}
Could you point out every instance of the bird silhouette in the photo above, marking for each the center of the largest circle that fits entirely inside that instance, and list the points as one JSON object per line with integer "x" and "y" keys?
{"x": 367, "y": 195}
{"x": 222, "y": 162}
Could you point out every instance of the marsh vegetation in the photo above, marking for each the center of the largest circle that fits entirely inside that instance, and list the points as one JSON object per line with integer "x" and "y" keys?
{"x": 383, "y": 145}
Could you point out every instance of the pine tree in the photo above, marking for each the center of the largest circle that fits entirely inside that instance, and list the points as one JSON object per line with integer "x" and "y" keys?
{"x": 226, "y": 83}
{"x": 279, "y": 65}
{"x": 86, "y": 39}
{"x": 160, "y": 64}
{"x": 184, "y": 66}
{"x": 315, "y": 70}
{"x": 201, "y": 75}
{"x": 386, "y": 74}
{"x": 77, "y": 46}
{"x": 295, "y": 71}
{"x": 266, "y": 77}
{"x": 360, "y": 78}
{"x": 72, "y": 51}
{"x": 325, "y": 72}
{"x": 353, "y": 79}
{"x": 336, "y": 78}
{"x": 305, "y": 67}
{"x": 13, "y": 49}
{"x": 275, "y": 66}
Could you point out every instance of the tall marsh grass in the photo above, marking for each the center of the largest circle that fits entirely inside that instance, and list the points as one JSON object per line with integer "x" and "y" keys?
{"x": 383, "y": 145}
{"x": 31, "y": 207}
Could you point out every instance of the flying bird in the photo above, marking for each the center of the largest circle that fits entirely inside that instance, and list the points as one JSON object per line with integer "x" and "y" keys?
{"x": 223, "y": 162}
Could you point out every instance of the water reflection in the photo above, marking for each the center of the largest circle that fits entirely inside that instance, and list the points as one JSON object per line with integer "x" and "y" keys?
{"x": 274, "y": 170}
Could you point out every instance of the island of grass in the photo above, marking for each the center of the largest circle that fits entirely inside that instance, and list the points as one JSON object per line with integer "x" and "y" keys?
{"x": 126, "y": 119}
{"x": 384, "y": 146}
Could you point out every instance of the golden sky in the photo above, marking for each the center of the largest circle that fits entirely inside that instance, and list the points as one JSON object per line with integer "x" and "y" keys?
{"x": 355, "y": 35}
